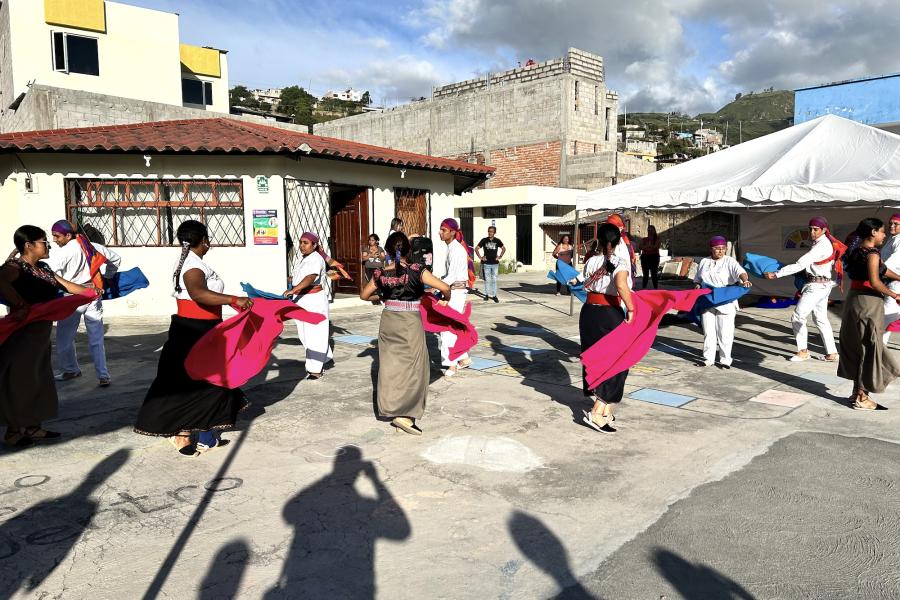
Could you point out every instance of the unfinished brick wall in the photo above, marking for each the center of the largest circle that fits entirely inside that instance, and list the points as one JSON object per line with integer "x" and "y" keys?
{"x": 533, "y": 164}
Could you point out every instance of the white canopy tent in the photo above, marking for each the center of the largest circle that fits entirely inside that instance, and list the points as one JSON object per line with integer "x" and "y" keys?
{"x": 831, "y": 167}
{"x": 829, "y": 160}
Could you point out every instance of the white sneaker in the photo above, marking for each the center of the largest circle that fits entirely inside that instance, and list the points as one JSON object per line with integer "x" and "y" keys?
{"x": 800, "y": 357}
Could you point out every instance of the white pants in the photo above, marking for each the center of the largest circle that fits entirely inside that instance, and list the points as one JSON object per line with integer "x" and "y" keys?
{"x": 891, "y": 314}
{"x": 457, "y": 302}
{"x": 814, "y": 299}
{"x": 66, "y": 357}
{"x": 315, "y": 337}
{"x": 718, "y": 328}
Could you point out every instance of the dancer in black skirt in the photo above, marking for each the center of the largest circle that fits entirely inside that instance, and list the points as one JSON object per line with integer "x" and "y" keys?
{"x": 176, "y": 405}
{"x": 607, "y": 281}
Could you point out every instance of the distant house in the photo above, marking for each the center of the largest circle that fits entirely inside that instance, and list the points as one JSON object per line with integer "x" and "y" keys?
{"x": 707, "y": 138}
{"x": 270, "y": 95}
{"x": 349, "y": 95}
{"x": 869, "y": 100}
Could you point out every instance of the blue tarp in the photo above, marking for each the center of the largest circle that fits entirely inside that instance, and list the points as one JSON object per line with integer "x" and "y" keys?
{"x": 565, "y": 273}
{"x": 252, "y": 292}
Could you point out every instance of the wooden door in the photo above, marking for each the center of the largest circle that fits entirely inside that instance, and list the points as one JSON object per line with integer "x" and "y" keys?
{"x": 349, "y": 216}
{"x": 412, "y": 207}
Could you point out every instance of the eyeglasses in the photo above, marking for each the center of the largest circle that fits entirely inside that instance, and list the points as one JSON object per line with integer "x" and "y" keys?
{"x": 45, "y": 242}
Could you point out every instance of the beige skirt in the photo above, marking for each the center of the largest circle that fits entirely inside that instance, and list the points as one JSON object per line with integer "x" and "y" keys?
{"x": 864, "y": 358}
{"x": 403, "y": 365}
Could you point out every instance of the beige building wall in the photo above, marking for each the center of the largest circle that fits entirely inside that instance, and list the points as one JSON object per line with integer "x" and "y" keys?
{"x": 263, "y": 266}
{"x": 138, "y": 54}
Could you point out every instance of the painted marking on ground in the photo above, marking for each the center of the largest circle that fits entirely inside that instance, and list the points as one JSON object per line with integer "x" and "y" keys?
{"x": 482, "y": 452}
{"x": 826, "y": 378}
{"x": 661, "y": 397}
{"x": 356, "y": 340}
{"x": 480, "y": 364}
{"x": 781, "y": 398}
{"x": 642, "y": 369}
{"x": 506, "y": 370}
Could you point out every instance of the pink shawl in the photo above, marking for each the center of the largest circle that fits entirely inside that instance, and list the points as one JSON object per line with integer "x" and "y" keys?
{"x": 437, "y": 318}
{"x": 627, "y": 344}
{"x": 236, "y": 350}
{"x": 894, "y": 327}
{"x": 52, "y": 310}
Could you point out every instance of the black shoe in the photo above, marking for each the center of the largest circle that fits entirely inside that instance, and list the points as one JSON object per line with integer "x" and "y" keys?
{"x": 496, "y": 299}
{"x": 486, "y": 298}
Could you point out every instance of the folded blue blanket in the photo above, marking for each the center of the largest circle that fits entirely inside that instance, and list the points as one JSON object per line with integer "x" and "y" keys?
{"x": 252, "y": 292}
{"x": 565, "y": 273}
{"x": 123, "y": 283}
{"x": 717, "y": 297}
{"x": 758, "y": 265}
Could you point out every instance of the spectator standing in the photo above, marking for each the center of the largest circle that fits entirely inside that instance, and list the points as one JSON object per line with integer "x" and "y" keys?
{"x": 490, "y": 250}
{"x": 650, "y": 258}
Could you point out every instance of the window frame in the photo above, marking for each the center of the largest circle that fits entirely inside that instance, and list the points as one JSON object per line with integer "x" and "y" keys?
{"x": 206, "y": 92}
{"x": 93, "y": 189}
{"x": 494, "y": 212}
{"x": 55, "y": 50}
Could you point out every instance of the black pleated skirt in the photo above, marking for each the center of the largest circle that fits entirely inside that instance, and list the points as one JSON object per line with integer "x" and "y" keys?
{"x": 595, "y": 322}
{"x": 175, "y": 402}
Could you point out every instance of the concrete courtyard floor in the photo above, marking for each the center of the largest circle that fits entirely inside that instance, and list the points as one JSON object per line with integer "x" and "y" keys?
{"x": 754, "y": 482}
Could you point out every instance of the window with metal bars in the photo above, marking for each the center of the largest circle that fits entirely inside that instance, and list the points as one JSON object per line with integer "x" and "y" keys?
{"x": 412, "y": 207}
{"x": 494, "y": 212}
{"x": 147, "y": 212}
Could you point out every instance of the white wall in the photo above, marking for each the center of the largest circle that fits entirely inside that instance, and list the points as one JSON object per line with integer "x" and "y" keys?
{"x": 263, "y": 266}
{"x": 139, "y": 53}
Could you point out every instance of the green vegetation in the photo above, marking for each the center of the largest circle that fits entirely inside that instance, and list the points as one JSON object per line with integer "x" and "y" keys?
{"x": 750, "y": 116}
{"x": 299, "y": 104}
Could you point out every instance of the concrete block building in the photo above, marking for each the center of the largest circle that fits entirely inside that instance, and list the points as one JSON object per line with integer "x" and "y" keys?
{"x": 550, "y": 123}
{"x": 102, "y": 55}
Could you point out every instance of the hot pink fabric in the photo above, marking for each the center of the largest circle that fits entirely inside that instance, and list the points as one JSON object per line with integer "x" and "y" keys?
{"x": 627, "y": 344}
{"x": 52, "y": 310}
{"x": 437, "y": 318}
{"x": 236, "y": 350}
{"x": 895, "y": 326}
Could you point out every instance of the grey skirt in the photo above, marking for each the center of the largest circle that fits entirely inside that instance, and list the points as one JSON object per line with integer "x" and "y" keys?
{"x": 27, "y": 390}
{"x": 864, "y": 358}
{"x": 403, "y": 365}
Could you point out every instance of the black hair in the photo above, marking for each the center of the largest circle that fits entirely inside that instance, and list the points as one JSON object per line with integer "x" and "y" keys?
{"x": 397, "y": 246}
{"x": 27, "y": 233}
{"x": 93, "y": 234}
{"x": 867, "y": 227}
{"x": 492, "y": 227}
{"x": 395, "y": 222}
{"x": 190, "y": 234}
{"x": 375, "y": 235}
{"x": 608, "y": 237}
{"x": 564, "y": 236}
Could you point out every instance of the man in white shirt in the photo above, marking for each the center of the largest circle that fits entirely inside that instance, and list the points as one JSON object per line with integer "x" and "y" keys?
{"x": 456, "y": 275}
{"x": 71, "y": 261}
{"x": 817, "y": 264}
{"x": 890, "y": 254}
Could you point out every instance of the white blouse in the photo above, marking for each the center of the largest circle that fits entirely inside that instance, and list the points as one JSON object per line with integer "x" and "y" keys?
{"x": 213, "y": 282}
{"x": 607, "y": 283}
{"x": 311, "y": 264}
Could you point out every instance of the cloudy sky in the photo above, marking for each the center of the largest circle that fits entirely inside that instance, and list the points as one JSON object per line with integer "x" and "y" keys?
{"x": 685, "y": 55}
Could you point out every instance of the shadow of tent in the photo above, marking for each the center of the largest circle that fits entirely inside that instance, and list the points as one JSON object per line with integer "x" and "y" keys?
{"x": 697, "y": 581}
{"x": 787, "y": 333}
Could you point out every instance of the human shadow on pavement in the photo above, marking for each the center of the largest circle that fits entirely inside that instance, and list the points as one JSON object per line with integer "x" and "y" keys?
{"x": 223, "y": 580}
{"x": 36, "y": 541}
{"x": 697, "y": 581}
{"x": 332, "y": 554}
{"x": 545, "y": 373}
{"x": 544, "y": 549}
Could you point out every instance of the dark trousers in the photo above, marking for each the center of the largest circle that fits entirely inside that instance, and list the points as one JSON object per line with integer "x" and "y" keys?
{"x": 595, "y": 322}
{"x": 650, "y": 267}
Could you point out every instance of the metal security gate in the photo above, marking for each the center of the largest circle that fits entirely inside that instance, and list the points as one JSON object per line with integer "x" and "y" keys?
{"x": 523, "y": 233}
{"x": 307, "y": 207}
{"x": 466, "y": 223}
{"x": 412, "y": 207}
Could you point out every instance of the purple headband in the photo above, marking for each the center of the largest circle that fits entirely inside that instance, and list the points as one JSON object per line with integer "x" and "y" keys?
{"x": 895, "y": 217}
{"x": 63, "y": 227}
{"x": 450, "y": 224}
{"x": 717, "y": 240}
{"x": 819, "y": 222}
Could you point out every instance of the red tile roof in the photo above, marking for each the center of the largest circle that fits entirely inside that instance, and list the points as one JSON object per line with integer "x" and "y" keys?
{"x": 224, "y": 136}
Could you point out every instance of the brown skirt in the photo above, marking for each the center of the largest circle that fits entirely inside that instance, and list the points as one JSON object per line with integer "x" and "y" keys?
{"x": 403, "y": 365}
{"x": 27, "y": 390}
{"x": 864, "y": 358}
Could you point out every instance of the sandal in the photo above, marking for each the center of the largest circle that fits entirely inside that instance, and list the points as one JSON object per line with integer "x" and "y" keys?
{"x": 39, "y": 433}
{"x": 863, "y": 402}
{"x": 174, "y": 440}
{"x": 406, "y": 424}
{"x": 17, "y": 439}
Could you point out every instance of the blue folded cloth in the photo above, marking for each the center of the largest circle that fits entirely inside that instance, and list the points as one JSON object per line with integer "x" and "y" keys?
{"x": 565, "y": 273}
{"x": 758, "y": 265}
{"x": 717, "y": 297}
{"x": 252, "y": 292}
{"x": 123, "y": 283}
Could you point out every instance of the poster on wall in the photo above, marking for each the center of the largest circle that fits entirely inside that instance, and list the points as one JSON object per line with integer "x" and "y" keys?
{"x": 265, "y": 227}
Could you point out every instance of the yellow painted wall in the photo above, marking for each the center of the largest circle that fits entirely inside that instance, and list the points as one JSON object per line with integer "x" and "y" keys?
{"x": 81, "y": 14}
{"x": 201, "y": 61}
